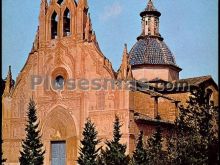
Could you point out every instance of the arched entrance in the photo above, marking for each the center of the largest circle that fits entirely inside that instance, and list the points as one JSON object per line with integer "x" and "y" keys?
{"x": 59, "y": 137}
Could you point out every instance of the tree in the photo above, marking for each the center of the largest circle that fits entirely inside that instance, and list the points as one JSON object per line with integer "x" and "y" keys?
{"x": 171, "y": 150}
{"x": 2, "y": 159}
{"x": 114, "y": 154}
{"x": 88, "y": 150}
{"x": 196, "y": 131}
{"x": 140, "y": 155}
{"x": 179, "y": 148}
{"x": 154, "y": 149}
{"x": 32, "y": 148}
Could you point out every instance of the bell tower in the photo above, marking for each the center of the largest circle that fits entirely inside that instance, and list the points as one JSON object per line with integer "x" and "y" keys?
{"x": 150, "y": 58}
{"x": 64, "y": 18}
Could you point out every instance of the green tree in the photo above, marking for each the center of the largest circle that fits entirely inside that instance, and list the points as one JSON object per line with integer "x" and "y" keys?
{"x": 196, "y": 131}
{"x": 32, "y": 148}
{"x": 89, "y": 150}
{"x": 114, "y": 154}
{"x": 140, "y": 155}
{"x": 155, "y": 155}
{"x": 171, "y": 150}
{"x": 180, "y": 143}
{"x": 2, "y": 159}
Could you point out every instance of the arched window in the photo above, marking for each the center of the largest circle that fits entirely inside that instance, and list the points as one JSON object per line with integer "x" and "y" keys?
{"x": 60, "y": 2}
{"x": 54, "y": 25}
{"x": 66, "y": 23}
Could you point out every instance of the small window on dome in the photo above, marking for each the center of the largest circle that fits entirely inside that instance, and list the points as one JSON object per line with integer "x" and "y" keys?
{"x": 59, "y": 82}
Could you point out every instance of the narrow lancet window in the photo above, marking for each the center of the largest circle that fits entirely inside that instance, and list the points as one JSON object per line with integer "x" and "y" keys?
{"x": 66, "y": 23}
{"x": 60, "y": 2}
{"x": 54, "y": 25}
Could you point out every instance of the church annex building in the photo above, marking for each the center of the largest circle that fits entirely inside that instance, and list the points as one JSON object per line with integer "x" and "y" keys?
{"x": 66, "y": 48}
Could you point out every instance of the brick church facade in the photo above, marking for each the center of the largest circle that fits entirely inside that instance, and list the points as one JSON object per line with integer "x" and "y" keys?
{"x": 66, "y": 48}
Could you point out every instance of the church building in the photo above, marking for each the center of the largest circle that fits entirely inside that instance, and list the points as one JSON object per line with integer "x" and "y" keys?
{"x": 66, "y": 49}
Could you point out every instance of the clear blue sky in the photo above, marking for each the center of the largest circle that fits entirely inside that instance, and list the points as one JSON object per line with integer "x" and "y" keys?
{"x": 189, "y": 27}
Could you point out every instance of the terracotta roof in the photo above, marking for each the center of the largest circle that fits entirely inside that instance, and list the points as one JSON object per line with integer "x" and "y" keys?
{"x": 195, "y": 80}
{"x": 157, "y": 80}
{"x": 140, "y": 118}
{"x": 183, "y": 85}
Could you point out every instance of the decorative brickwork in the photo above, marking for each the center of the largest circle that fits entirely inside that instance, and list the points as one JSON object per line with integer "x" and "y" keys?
{"x": 66, "y": 49}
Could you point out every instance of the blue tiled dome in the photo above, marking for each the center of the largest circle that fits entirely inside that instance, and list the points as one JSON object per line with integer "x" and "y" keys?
{"x": 150, "y": 50}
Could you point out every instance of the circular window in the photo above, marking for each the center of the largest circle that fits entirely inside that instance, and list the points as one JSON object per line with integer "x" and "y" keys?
{"x": 59, "y": 82}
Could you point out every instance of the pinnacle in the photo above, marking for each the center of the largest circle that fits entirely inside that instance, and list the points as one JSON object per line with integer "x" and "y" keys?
{"x": 9, "y": 69}
{"x": 150, "y": 6}
{"x": 44, "y": 6}
{"x": 150, "y": 9}
{"x": 83, "y": 3}
{"x": 9, "y": 83}
{"x": 43, "y": 1}
{"x": 9, "y": 76}
{"x": 125, "y": 48}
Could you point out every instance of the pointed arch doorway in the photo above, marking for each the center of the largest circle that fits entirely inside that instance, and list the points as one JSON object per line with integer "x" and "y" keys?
{"x": 59, "y": 138}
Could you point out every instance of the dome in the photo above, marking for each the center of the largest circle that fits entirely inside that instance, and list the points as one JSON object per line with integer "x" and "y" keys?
{"x": 151, "y": 50}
